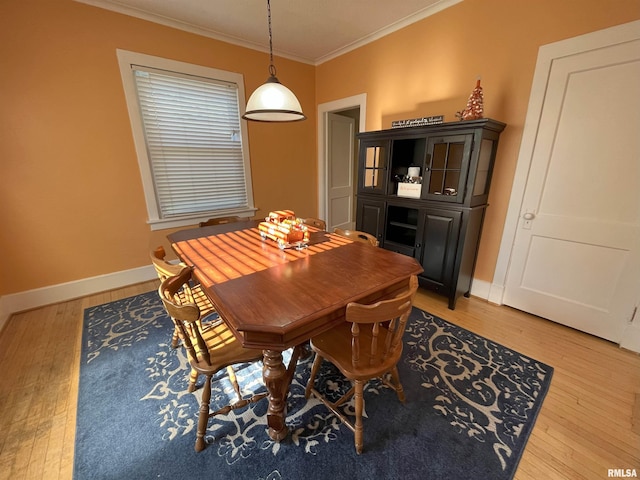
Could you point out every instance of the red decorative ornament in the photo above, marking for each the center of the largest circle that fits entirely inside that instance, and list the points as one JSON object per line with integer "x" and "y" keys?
{"x": 475, "y": 107}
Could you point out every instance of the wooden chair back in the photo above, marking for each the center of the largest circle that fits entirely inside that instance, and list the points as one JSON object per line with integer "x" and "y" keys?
{"x": 315, "y": 222}
{"x": 374, "y": 333}
{"x": 220, "y": 221}
{"x": 190, "y": 293}
{"x": 377, "y": 330}
{"x": 357, "y": 235}
{"x": 210, "y": 346}
{"x": 163, "y": 268}
{"x": 185, "y": 315}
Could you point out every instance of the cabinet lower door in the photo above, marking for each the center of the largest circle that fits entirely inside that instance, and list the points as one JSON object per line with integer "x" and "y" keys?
{"x": 370, "y": 217}
{"x": 441, "y": 229}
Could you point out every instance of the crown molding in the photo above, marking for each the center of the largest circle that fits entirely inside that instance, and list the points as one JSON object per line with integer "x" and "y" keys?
{"x": 394, "y": 27}
{"x": 115, "y": 6}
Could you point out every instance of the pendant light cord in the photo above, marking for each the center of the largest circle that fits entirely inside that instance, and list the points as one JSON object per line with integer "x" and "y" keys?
{"x": 272, "y": 67}
{"x": 272, "y": 101}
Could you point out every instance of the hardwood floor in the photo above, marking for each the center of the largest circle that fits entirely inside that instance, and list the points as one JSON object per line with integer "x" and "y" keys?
{"x": 585, "y": 427}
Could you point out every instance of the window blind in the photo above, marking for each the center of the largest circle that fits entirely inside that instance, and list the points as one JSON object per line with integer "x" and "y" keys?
{"x": 192, "y": 133}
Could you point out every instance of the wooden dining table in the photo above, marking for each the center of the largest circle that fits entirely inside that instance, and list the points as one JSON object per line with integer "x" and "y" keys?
{"x": 274, "y": 299}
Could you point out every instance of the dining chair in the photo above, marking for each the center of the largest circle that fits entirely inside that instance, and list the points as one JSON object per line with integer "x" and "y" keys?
{"x": 165, "y": 269}
{"x": 315, "y": 222}
{"x": 209, "y": 349}
{"x": 367, "y": 345}
{"x": 357, "y": 235}
{"x": 220, "y": 221}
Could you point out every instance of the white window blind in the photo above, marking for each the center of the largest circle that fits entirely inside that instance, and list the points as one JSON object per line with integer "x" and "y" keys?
{"x": 193, "y": 141}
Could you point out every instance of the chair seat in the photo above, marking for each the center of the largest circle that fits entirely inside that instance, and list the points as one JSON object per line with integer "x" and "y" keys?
{"x": 335, "y": 346}
{"x": 224, "y": 349}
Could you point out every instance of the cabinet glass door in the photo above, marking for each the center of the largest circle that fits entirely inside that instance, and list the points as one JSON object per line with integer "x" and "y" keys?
{"x": 374, "y": 167}
{"x": 446, "y": 168}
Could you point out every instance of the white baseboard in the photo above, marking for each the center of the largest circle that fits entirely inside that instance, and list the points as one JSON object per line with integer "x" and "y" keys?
{"x": 480, "y": 288}
{"x": 631, "y": 338}
{"x": 496, "y": 293}
{"x": 18, "y": 302}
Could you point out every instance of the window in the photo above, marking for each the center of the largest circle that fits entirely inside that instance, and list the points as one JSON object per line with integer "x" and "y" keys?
{"x": 190, "y": 140}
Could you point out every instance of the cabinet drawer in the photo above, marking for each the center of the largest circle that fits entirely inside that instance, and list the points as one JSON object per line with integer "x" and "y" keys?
{"x": 403, "y": 249}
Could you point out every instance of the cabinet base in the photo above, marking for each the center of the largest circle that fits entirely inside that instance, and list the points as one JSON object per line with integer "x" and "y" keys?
{"x": 442, "y": 290}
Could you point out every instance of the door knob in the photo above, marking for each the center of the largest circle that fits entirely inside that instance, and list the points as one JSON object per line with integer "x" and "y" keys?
{"x": 528, "y": 217}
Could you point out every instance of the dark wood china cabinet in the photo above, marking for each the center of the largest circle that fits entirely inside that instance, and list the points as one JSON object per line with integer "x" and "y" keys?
{"x": 422, "y": 191}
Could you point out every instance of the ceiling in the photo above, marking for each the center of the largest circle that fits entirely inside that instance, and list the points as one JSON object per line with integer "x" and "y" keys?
{"x": 310, "y": 31}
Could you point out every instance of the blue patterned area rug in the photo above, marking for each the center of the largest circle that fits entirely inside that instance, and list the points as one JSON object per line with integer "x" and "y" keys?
{"x": 471, "y": 405}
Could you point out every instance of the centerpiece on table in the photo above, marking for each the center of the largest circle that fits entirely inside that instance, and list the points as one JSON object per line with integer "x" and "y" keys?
{"x": 284, "y": 228}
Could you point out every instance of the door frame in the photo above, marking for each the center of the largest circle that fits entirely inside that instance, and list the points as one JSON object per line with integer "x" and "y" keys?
{"x": 546, "y": 55}
{"x": 336, "y": 106}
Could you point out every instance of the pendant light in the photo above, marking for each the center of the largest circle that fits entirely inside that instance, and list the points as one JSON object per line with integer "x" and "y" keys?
{"x": 273, "y": 102}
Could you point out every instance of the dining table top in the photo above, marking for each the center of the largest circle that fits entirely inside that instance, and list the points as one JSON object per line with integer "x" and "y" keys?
{"x": 276, "y": 298}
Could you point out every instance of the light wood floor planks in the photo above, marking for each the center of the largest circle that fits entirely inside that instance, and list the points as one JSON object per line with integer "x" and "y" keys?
{"x": 588, "y": 423}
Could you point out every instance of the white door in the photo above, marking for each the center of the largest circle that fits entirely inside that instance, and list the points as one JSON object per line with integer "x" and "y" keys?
{"x": 576, "y": 254}
{"x": 340, "y": 175}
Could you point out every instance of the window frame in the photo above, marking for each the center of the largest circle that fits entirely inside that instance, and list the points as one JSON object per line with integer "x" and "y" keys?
{"x": 128, "y": 59}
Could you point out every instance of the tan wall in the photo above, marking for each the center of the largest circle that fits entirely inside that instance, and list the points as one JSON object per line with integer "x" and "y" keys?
{"x": 430, "y": 68}
{"x": 71, "y": 198}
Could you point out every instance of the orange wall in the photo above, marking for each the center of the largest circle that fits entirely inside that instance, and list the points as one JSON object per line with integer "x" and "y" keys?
{"x": 430, "y": 68}
{"x": 71, "y": 198}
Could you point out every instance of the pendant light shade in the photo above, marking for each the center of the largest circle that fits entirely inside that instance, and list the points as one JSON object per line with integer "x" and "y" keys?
{"x": 272, "y": 101}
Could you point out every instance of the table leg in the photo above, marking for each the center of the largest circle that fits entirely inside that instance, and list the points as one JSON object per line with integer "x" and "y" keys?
{"x": 275, "y": 376}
